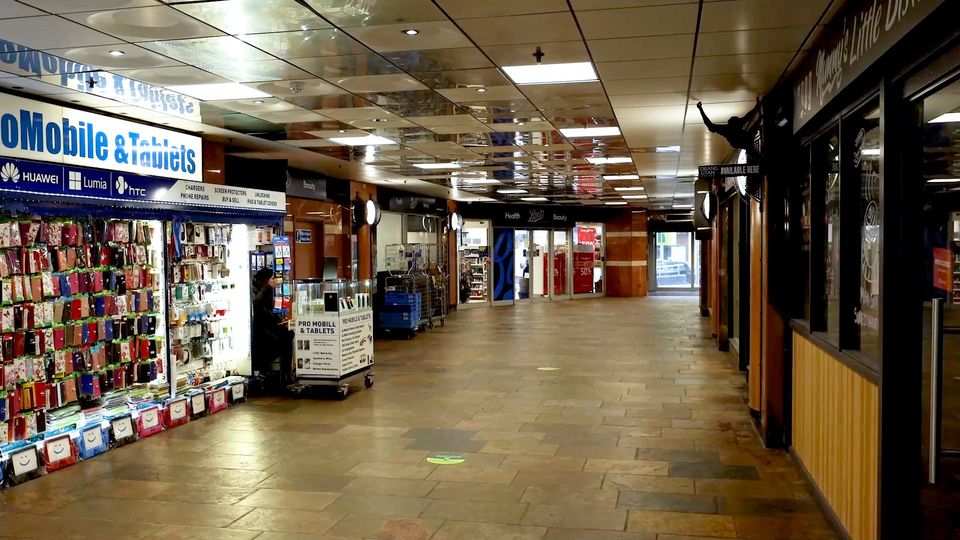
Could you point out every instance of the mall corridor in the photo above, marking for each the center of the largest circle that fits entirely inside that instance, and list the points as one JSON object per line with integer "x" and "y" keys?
{"x": 604, "y": 419}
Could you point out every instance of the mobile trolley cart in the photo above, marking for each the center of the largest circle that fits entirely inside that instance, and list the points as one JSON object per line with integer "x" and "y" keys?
{"x": 333, "y": 334}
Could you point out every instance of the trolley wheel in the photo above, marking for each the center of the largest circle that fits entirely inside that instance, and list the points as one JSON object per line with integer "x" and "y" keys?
{"x": 368, "y": 381}
{"x": 342, "y": 392}
{"x": 410, "y": 334}
{"x": 443, "y": 322}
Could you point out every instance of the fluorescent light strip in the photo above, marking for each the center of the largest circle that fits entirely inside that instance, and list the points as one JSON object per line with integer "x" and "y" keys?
{"x": 609, "y": 160}
{"x": 615, "y": 203}
{"x": 366, "y": 140}
{"x": 633, "y": 188}
{"x": 683, "y": 206}
{"x": 534, "y": 199}
{"x": 948, "y": 117}
{"x": 661, "y": 149}
{"x": 621, "y": 177}
{"x": 551, "y": 73}
{"x": 437, "y": 165}
{"x": 511, "y": 191}
{"x": 871, "y": 152}
{"x": 218, "y": 91}
{"x": 479, "y": 181}
{"x": 943, "y": 181}
{"x": 634, "y": 197}
{"x": 573, "y": 133}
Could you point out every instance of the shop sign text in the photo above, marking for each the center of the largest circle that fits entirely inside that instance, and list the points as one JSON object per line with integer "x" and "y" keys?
{"x": 862, "y": 34}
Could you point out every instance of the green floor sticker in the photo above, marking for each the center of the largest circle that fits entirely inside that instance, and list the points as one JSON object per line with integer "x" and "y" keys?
{"x": 446, "y": 459}
{"x": 548, "y": 368}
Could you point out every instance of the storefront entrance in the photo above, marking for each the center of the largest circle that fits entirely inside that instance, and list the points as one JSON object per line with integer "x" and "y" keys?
{"x": 541, "y": 265}
{"x": 677, "y": 260}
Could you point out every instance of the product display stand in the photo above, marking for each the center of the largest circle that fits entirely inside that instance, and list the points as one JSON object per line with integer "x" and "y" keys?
{"x": 333, "y": 336}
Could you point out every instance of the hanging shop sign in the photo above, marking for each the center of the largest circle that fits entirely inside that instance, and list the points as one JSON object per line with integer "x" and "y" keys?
{"x": 729, "y": 170}
{"x": 307, "y": 188}
{"x": 18, "y": 176}
{"x": 855, "y": 40}
{"x": 41, "y": 131}
{"x": 523, "y": 217}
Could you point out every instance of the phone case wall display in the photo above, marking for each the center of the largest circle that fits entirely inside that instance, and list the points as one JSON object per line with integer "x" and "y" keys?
{"x": 282, "y": 265}
{"x": 78, "y": 315}
{"x": 208, "y": 299}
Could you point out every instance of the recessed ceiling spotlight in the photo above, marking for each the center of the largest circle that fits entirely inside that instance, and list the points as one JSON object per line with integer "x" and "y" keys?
{"x": 341, "y": 131}
{"x": 116, "y": 52}
{"x": 411, "y": 31}
{"x": 258, "y": 102}
{"x": 481, "y": 90}
{"x": 379, "y": 119}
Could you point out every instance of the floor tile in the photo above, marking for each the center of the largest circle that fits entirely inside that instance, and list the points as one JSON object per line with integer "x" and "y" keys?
{"x": 490, "y": 512}
{"x": 387, "y": 527}
{"x": 569, "y": 496}
{"x": 668, "y": 502}
{"x": 392, "y": 470}
{"x": 461, "y": 530}
{"x": 283, "y": 520}
{"x": 559, "y": 479}
{"x": 186, "y": 532}
{"x": 693, "y": 456}
{"x": 714, "y": 470}
{"x": 477, "y": 491}
{"x": 294, "y": 500}
{"x": 161, "y": 512}
{"x": 681, "y": 523}
{"x": 384, "y": 505}
{"x": 554, "y": 533}
{"x": 575, "y": 517}
{"x": 390, "y": 486}
{"x": 306, "y": 482}
{"x": 648, "y": 468}
{"x": 462, "y": 473}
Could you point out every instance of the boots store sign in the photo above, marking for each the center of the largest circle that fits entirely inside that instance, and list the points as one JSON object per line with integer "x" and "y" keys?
{"x": 855, "y": 40}
{"x": 519, "y": 216}
{"x": 40, "y": 131}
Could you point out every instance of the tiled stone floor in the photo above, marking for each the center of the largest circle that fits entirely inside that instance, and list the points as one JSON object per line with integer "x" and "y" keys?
{"x": 640, "y": 434}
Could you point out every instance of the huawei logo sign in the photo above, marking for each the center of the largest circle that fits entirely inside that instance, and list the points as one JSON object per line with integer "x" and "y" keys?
{"x": 10, "y": 173}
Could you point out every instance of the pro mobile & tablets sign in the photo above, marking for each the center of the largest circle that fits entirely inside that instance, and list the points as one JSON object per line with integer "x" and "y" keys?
{"x": 40, "y": 131}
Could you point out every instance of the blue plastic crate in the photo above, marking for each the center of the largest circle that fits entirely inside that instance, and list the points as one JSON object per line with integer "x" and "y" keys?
{"x": 402, "y": 298}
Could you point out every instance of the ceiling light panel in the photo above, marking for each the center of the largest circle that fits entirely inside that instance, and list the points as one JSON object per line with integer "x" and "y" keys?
{"x": 606, "y": 131}
{"x": 609, "y": 160}
{"x": 254, "y": 16}
{"x": 208, "y": 92}
{"x": 367, "y": 140}
{"x": 574, "y": 72}
{"x": 621, "y": 177}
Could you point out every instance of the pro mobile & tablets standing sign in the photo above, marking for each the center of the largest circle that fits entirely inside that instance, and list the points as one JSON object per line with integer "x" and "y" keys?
{"x": 40, "y": 131}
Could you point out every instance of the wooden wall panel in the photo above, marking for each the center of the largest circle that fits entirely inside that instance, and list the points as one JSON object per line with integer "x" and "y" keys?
{"x": 836, "y": 435}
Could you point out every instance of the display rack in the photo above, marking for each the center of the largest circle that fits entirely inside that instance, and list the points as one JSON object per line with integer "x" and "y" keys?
{"x": 333, "y": 334}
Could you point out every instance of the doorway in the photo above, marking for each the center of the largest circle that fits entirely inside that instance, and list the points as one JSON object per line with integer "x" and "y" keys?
{"x": 676, "y": 261}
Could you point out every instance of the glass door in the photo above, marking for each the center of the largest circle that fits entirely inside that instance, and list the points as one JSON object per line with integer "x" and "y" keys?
{"x": 540, "y": 265}
{"x": 561, "y": 264}
{"x": 473, "y": 251}
{"x": 521, "y": 264}
{"x": 675, "y": 259}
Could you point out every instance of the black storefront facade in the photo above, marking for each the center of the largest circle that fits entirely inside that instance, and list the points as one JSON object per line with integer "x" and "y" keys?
{"x": 861, "y": 235}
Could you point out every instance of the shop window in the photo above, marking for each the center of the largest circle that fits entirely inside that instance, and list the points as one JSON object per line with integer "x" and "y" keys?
{"x": 865, "y": 164}
{"x": 827, "y": 160}
{"x": 588, "y": 258}
{"x": 804, "y": 223}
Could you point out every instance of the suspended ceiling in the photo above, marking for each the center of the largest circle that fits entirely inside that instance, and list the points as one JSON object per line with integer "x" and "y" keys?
{"x": 342, "y": 68}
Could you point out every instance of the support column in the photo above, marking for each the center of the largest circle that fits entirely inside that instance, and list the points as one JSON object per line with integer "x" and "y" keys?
{"x": 626, "y": 264}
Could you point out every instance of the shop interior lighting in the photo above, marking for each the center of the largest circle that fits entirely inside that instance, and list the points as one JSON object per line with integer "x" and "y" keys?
{"x": 665, "y": 177}
{"x": 511, "y": 191}
{"x": 452, "y": 165}
{"x": 609, "y": 160}
{"x": 218, "y": 91}
{"x": 621, "y": 177}
{"x": 574, "y": 133}
{"x": 944, "y": 181}
{"x": 948, "y": 117}
{"x": 116, "y": 52}
{"x": 674, "y": 148}
{"x": 411, "y": 31}
{"x": 366, "y": 140}
{"x": 572, "y": 72}
{"x": 631, "y": 188}
{"x": 615, "y": 203}
{"x": 634, "y": 197}
{"x": 871, "y": 151}
{"x": 481, "y": 90}
{"x": 683, "y": 206}
{"x": 534, "y": 199}
{"x": 479, "y": 181}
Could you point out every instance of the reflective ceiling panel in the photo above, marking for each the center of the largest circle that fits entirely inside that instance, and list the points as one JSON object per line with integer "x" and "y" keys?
{"x": 255, "y": 16}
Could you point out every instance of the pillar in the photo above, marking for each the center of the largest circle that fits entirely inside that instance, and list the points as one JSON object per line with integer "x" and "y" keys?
{"x": 626, "y": 263}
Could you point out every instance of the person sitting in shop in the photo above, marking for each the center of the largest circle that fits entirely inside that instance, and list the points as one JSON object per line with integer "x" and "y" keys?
{"x": 271, "y": 338}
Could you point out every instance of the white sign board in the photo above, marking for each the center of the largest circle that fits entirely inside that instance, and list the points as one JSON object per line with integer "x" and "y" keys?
{"x": 44, "y": 132}
{"x": 333, "y": 345}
